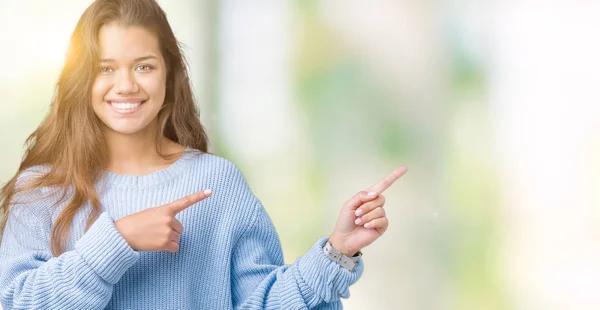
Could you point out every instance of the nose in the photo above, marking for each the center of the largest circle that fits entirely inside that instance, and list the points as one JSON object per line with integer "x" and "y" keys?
{"x": 125, "y": 83}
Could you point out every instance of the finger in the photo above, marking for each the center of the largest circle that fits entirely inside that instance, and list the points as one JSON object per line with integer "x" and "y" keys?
{"x": 172, "y": 247}
{"x": 370, "y": 205}
{"x": 174, "y": 236}
{"x": 183, "y": 203}
{"x": 381, "y": 224}
{"x": 360, "y": 198}
{"x": 386, "y": 182}
{"x": 375, "y": 214}
{"x": 176, "y": 226}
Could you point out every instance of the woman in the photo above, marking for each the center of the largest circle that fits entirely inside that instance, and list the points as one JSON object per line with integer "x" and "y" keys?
{"x": 91, "y": 220}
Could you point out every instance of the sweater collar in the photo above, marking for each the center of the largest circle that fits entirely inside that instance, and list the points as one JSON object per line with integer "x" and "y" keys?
{"x": 160, "y": 176}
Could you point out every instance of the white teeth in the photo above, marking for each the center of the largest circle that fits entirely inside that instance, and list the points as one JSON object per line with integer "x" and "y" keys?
{"x": 125, "y": 105}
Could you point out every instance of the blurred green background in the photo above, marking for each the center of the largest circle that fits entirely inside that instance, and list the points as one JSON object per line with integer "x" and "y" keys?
{"x": 492, "y": 106}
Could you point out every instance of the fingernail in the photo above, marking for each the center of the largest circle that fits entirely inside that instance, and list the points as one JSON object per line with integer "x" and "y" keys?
{"x": 208, "y": 191}
{"x": 358, "y": 212}
{"x": 371, "y": 193}
{"x": 357, "y": 222}
{"x": 367, "y": 224}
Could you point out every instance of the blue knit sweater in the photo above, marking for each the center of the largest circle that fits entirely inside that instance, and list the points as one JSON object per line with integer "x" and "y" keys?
{"x": 230, "y": 256}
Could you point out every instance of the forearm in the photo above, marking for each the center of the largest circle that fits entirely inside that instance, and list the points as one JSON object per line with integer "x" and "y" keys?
{"x": 82, "y": 278}
{"x": 313, "y": 281}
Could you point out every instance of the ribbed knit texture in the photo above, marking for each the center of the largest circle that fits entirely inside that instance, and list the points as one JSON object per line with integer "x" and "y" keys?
{"x": 230, "y": 256}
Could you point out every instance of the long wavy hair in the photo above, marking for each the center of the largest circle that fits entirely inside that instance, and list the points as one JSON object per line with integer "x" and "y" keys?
{"x": 70, "y": 140}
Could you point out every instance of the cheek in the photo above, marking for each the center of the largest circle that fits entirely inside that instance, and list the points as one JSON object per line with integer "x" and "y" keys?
{"x": 99, "y": 90}
{"x": 155, "y": 88}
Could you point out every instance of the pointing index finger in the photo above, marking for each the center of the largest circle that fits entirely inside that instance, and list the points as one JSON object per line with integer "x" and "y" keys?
{"x": 185, "y": 202}
{"x": 386, "y": 182}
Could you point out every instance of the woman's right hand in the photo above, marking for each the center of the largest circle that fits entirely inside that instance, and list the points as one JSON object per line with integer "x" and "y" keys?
{"x": 157, "y": 229}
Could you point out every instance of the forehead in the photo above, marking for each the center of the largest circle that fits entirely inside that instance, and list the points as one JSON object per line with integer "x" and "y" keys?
{"x": 121, "y": 42}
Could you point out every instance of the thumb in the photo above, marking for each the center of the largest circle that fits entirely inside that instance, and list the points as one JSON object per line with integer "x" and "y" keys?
{"x": 185, "y": 202}
{"x": 358, "y": 199}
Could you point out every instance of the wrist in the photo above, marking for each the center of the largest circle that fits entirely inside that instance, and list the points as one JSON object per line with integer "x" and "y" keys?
{"x": 345, "y": 261}
{"x": 340, "y": 246}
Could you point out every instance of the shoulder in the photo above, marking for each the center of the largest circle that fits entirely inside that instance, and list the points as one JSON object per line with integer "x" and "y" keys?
{"x": 219, "y": 169}
{"x": 36, "y": 198}
{"x": 30, "y": 175}
{"x": 225, "y": 178}
{"x": 26, "y": 179}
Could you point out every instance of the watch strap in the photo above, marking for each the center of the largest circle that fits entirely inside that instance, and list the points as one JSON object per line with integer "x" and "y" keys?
{"x": 347, "y": 262}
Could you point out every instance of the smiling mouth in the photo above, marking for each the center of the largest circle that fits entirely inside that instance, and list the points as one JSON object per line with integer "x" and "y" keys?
{"x": 126, "y": 107}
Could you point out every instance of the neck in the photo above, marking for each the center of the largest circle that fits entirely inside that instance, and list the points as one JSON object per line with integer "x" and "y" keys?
{"x": 136, "y": 154}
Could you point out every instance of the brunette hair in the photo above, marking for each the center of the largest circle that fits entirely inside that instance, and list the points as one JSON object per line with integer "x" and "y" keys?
{"x": 70, "y": 141}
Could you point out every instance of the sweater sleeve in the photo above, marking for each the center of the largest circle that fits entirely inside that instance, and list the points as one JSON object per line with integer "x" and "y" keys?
{"x": 83, "y": 278}
{"x": 260, "y": 280}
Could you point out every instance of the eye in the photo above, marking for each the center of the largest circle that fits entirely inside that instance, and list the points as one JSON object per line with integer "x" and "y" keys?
{"x": 144, "y": 68}
{"x": 105, "y": 69}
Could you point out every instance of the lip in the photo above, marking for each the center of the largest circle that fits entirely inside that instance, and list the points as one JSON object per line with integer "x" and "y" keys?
{"x": 125, "y": 100}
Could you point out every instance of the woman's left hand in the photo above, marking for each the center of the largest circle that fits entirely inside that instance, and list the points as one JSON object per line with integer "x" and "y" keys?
{"x": 362, "y": 219}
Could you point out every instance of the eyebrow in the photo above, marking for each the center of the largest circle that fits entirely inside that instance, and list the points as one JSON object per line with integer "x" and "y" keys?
{"x": 136, "y": 60}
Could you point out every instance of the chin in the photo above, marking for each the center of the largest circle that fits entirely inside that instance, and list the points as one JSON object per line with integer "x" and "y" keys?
{"x": 135, "y": 122}
{"x": 126, "y": 129}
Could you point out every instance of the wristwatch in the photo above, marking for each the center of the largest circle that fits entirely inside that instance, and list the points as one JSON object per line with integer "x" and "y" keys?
{"x": 348, "y": 262}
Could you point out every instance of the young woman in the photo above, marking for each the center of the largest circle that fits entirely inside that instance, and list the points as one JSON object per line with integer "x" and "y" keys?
{"x": 94, "y": 218}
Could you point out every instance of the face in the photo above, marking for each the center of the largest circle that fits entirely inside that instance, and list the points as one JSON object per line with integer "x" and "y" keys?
{"x": 129, "y": 89}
